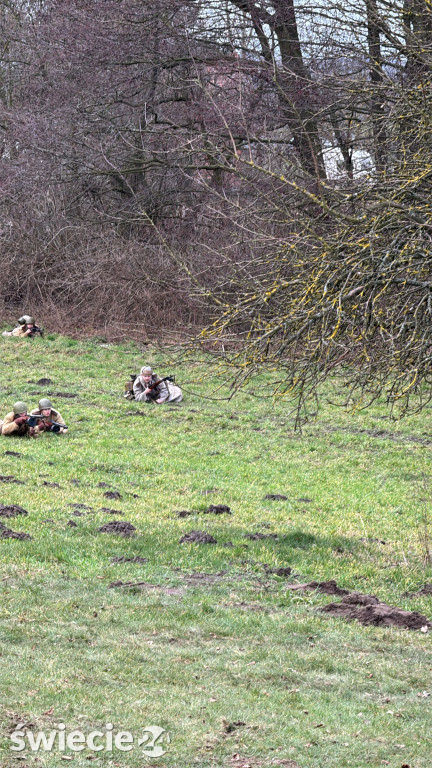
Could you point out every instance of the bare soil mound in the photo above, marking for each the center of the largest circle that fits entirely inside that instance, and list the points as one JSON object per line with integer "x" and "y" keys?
{"x": 368, "y": 610}
{"x": 112, "y": 495}
{"x": 284, "y": 571}
{"x": 328, "y": 587}
{"x": 198, "y": 537}
{"x": 8, "y": 533}
{"x": 12, "y": 510}
{"x": 10, "y": 479}
{"x": 120, "y": 527}
{"x": 213, "y": 509}
{"x": 258, "y": 536}
{"x": 275, "y": 497}
{"x": 123, "y": 559}
{"x": 111, "y": 511}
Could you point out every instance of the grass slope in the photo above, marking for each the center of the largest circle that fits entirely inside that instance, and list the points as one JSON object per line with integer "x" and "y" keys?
{"x": 238, "y": 669}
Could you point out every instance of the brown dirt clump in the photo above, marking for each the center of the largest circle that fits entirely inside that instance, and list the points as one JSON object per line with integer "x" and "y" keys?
{"x": 120, "y": 527}
{"x": 112, "y": 495}
{"x": 275, "y": 497}
{"x": 258, "y": 536}
{"x": 284, "y": 571}
{"x": 8, "y": 533}
{"x": 12, "y": 510}
{"x": 111, "y": 511}
{"x": 50, "y": 485}
{"x": 328, "y": 587}
{"x": 43, "y": 382}
{"x": 368, "y": 610}
{"x": 10, "y": 479}
{"x": 65, "y": 394}
{"x": 12, "y": 453}
{"x": 123, "y": 559}
{"x": 198, "y": 537}
{"x": 218, "y": 509}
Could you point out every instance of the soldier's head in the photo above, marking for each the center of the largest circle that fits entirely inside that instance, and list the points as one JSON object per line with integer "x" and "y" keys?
{"x": 30, "y": 323}
{"x": 146, "y": 372}
{"x": 19, "y": 408}
{"x": 45, "y": 406}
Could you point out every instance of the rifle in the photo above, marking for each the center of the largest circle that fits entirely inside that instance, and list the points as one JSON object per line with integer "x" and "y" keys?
{"x": 32, "y": 421}
{"x": 36, "y": 330}
{"x": 153, "y": 395}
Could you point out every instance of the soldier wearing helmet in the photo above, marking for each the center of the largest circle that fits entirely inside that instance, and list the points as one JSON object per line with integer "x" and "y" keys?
{"x": 51, "y": 420}
{"x": 25, "y": 328}
{"x": 16, "y": 422}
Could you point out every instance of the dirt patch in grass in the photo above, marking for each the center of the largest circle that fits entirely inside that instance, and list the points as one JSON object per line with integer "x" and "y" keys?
{"x": 198, "y": 537}
{"x": 124, "y": 559}
{"x": 111, "y": 511}
{"x": 328, "y": 587}
{"x": 368, "y": 610}
{"x": 218, "y": 509}
{"x": 44, "y": 382}
{"x": 12, "y": 510}
{"x": 284, "y": 571}
{"x": 12, "y": 453}
{"x": 72, "y": 524}
{"x": 213, "y": 509}
{"x": 10, "y": 479}
{"x": 275, "y": 497}
{"x": 146, "y": 585}
{"x": 119, "y": 527}
{"x": 64, "y": 394}
{"x": 50, "y": 485}
{"x": 8, "y": 533}
{"x": 258, "y": 536}
{"x": 112, "y": 495}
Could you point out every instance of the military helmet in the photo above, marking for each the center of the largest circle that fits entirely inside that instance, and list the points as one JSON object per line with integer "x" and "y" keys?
{"x": 45, "y": 403}
{"x": 146, "y": 370}
{"x": 29, "y": 320}
{"x": 22, "y": 320}
{"x": 19, "y": 407}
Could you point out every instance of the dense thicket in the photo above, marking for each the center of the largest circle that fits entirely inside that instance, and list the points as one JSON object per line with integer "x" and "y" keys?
{"x": 258, "y": 168}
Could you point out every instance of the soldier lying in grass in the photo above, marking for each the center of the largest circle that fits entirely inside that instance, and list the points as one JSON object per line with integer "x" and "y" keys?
{"x": 26, "y": 328}
{"x": 149, "y": 387}
{"x": 16, "y": 422}
{"x": 47, "y": 418}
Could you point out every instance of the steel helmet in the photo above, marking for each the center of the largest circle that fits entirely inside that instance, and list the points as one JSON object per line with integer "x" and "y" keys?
{"x": 45, "y": 403}
{"x": 20, "y": 407}
{"x": 29, "y": 319}
{"x": 22, "y": 320}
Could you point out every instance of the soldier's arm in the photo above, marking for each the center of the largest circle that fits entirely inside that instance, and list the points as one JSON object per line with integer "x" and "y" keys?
{"x": 9, "y": 425}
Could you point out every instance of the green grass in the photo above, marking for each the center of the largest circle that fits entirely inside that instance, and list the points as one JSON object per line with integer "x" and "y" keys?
{"x": 196, "y": 658}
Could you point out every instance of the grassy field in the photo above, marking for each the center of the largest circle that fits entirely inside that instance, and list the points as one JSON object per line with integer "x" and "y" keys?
{"x": 213, "y": 647}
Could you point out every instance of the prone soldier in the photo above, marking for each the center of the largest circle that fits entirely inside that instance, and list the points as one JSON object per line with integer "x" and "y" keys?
{"x": 45, "y": 418}
{"x": 16, "y": 422}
